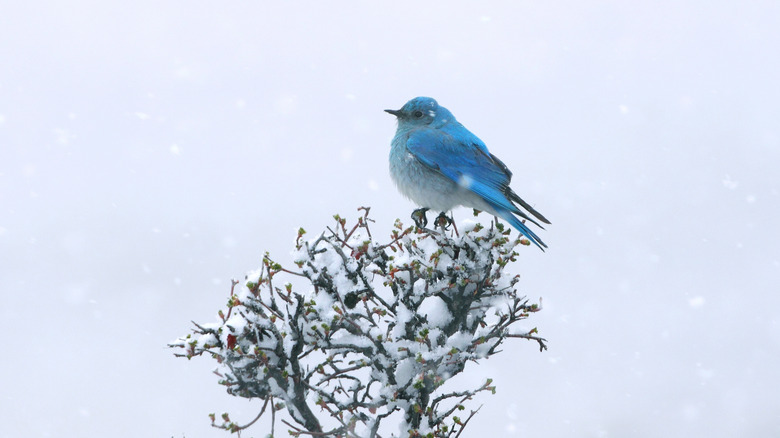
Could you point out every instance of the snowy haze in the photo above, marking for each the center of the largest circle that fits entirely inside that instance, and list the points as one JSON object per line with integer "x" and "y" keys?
{"x": 152, "y": 151}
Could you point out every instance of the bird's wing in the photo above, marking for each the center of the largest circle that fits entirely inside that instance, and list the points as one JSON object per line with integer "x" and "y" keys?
{"x": 465, "y": 160}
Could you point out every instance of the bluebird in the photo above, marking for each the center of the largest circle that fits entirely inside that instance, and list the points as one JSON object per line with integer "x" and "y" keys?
{"x": 439, "y": 164}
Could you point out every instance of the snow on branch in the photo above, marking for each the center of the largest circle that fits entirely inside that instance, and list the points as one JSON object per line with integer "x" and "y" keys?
{"x": 361, "y": 332}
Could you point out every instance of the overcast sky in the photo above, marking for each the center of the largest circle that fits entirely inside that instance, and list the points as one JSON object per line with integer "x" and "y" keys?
{"x": 152, "y": 151}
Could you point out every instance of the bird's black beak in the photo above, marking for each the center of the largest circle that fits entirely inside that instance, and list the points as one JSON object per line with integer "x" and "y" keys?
{"x": 396, "y": 113}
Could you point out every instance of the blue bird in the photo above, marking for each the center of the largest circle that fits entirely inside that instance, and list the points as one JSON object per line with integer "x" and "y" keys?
{"x": 439, "y": 164}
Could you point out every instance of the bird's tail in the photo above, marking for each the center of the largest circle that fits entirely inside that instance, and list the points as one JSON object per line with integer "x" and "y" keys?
{"x": 522, "y": 228}
{"x": 513, "y": 196}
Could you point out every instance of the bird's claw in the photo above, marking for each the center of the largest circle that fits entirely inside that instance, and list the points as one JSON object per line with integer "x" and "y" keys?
{"x": 443, "y": 221}
{"x": 419, "y": 218}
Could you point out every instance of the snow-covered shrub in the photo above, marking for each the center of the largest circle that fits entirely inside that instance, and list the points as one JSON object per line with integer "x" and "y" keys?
{"x": 362, "y": 332}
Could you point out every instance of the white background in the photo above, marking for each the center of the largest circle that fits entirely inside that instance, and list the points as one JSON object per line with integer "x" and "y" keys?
{"x": 152, "y": 151}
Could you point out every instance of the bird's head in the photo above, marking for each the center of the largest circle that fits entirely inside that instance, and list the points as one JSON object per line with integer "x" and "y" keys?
{"x": 421, "y": 111}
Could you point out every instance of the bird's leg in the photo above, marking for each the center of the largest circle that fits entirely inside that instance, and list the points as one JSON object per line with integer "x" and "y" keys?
{"x": 418, "y": 216}
{"x": 443, "y": 221}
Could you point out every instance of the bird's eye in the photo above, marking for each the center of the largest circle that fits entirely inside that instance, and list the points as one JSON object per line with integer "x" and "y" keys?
{"x": 417, "y": 114}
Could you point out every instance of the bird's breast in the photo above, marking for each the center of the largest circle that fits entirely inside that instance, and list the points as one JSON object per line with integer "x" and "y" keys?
{"x": 423, "y": 185}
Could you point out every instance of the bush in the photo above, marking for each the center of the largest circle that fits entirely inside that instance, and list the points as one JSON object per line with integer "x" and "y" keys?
{"x": 368, "y": 332}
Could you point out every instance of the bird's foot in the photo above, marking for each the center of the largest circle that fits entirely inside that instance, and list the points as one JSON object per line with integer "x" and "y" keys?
{"x": 443, "y": 221}
{"x": 418, "y": 216}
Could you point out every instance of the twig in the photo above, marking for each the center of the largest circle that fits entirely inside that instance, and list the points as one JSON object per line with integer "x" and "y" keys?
{"x": 463, "y": 426}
